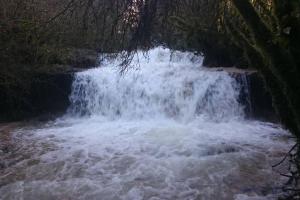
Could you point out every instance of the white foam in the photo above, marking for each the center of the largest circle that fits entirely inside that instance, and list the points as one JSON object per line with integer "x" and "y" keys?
{"x": 172, "y": 85}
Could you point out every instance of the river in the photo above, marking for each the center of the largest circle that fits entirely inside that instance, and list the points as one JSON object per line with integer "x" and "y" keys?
{"x": 166, "y": 129}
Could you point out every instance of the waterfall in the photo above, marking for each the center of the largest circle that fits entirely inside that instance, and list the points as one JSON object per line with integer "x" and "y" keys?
{"x": 165, "y": 84}
{"x": 166, "y": 129}
{"x": 245, "y": 93}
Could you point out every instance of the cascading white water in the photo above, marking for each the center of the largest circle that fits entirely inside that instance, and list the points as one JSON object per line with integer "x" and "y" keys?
{"x": 168, "y": 84}
{"x": 170, "y": 130}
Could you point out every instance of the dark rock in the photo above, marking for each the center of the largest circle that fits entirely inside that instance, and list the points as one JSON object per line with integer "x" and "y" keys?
{"x": 48, "y": 95}
{"x": 50, "y": 92}
{"x": 5, "y": 149}
{"x": 255, "y": 97}
{"x": 2, "y": 166}
{"x": 47, "y": 92}
{"x": 82, "y": 58}
{"x": 261, "y": 100}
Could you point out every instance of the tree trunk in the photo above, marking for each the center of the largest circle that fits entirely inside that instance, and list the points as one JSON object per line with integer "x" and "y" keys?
{"x": 278, "y": 60}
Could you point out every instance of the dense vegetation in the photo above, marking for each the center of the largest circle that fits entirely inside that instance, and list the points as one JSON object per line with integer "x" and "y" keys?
{"x": 261, "y": 34}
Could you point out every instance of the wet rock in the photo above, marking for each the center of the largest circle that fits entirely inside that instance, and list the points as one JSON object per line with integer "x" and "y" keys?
{"x": 254, "y": 96}
{"x": 5, "y": 149}
{"x": 48, "y": 92}
{"x": 82, "y": 58}
{"x": 2, "y": 165}
{"x": 48, "y": 95}
{"x": 51, "y": 92}
{"x": 221, "y": 149}
{"x": 261, "y": 100}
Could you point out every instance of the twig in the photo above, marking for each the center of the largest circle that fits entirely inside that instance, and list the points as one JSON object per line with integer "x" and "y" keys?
{"x": 286, "y": 156}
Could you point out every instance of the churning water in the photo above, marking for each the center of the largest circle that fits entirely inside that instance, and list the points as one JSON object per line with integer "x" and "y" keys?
{"x": 168, "y": 129}
{"x": 167, "y": 86}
